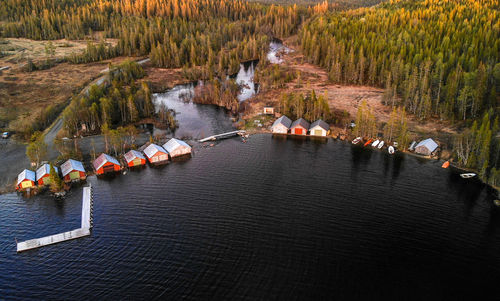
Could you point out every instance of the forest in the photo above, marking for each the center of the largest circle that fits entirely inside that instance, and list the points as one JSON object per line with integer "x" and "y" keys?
{"x": 435, "y": 59}
{"x": 214, "y": 34}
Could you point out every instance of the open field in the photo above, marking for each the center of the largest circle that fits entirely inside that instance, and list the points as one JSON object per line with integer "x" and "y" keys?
{"x": 16, "y": 51}
{"x": 23, "y": 95}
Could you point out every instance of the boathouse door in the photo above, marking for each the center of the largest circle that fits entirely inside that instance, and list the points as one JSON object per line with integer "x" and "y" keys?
{"x": 108, "y": 168}
{"x": 298, "y": 131}
{"x": 318, "y": 133}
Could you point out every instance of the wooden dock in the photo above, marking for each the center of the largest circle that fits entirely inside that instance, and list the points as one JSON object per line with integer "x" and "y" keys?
{"x": 223, "y": 135}
{"x": 77, "y": 233}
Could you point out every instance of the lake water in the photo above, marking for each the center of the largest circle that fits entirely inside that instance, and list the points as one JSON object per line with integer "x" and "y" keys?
{"x": 272, "y": 218}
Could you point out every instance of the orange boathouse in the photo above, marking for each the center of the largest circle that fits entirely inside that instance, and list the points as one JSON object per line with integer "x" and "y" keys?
{"x": 134, "y": 158}
{"x": 26, "y": 179}
{"x": 73, "y": 170}
{"x": 106, "y": 164}
{"x": 299, "y": 127}
{"x": 156, "y": 154}
{"x": 43, "y": 175}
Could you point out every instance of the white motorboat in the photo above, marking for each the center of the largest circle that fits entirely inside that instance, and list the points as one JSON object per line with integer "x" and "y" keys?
{"x": 356, "y": 141}
{"x": 374, "y": 144}
{"x": 380, "y": 145}
{"x": 467, "y": 175}
{"x": 391, "y": 150}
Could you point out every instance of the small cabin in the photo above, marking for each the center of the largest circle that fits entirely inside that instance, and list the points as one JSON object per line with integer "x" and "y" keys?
{"x": 269, "y": 110}
{"x": 426, "y": 147}
{"x": 43, "y": 175}
{"x": 73, "y": 170}
{"x": 281, "y": 125}
{"x": 156, "y": 154}
{"x": 299, "y": 127}
{"x": 26, "y": 179}
{"x": 134, "y": 158}
{"x": 106, "y": 164}
{"x": 176, "y": 148}
{"x": 319, "y": 128}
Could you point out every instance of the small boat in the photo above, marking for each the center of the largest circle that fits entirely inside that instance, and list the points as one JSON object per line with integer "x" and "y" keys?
{"x": 391, "y": 150}
{"x": 374, "y": 144}
{"x": 446, "y": 164}
{"x": 356, "y": 141}
{"x": 380, "y": 145}
{"x": 467, "y": 175}
{"x": 368, "y": 142}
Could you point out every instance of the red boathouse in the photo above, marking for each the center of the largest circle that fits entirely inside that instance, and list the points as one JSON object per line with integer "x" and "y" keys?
{"x": 105, "y": 164}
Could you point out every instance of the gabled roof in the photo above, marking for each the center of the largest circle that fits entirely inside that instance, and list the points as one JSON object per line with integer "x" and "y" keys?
{"x": 132, "y": 154}
{"x": 26, "y": 175}
{"x": 302, "y": 122}
{"x": 44, "y": 170}
{"x": 284, "y": 121}
{"x": 430, "y": 144}
{"x": 321, "y": 124}
{"x": 173, "y": 144}
{"x": 71, "y": 165}
{"x": 103, "y": 159}
{"x": 152, "y": 149}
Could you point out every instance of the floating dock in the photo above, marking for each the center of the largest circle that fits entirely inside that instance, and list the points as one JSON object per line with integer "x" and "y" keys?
{"x": 223, "y": 135}
{"x": 87, "y": 203}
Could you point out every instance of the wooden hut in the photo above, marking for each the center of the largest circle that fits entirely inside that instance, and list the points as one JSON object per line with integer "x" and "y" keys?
{"x": 26, "y": 179}
{"x": 281, "y": 125}
{"x": 43, "y": 175}
{"x": 156, "y": 154}
{"x": 319, "y": 128}
{"x": 299, "y": 127}
{"x": 176, "y": 148}
{"x": 134, "y": 158}
{"x": 269, "y": 110}
{"x": 426, "y": 147}
{"x": 106, "y": 164}
{"x": 73, "y": 170}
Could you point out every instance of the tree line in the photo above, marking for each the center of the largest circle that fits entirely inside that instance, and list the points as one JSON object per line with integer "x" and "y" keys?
{"x": 217, "y": 34}
{"x": 122, "y": 101}
{"x": 435, "y": 58}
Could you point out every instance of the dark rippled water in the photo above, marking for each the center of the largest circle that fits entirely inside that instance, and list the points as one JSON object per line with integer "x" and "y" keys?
{"x": 269, "y": 219}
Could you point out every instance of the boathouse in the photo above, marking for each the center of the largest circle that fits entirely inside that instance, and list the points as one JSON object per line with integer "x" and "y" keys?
{"x": 281, "y": 125}
{"x": 299, "y": 127}
{"x": 106, "y": 164}
{"x": 26, "y": 179}
{"x": 319, "y": 128}
{"x": 426, "y": 147}
{"x": 176, "y": 148}
{"x": 156, "y": 154}
{"x": 73, "y": 170}
{"x": 43, "y": 175}
{"x": 134, "y": 158}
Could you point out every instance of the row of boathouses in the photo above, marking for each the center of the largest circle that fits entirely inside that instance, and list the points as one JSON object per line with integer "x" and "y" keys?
{"x": 73, "y": 170}
{"x": 300, "y": 127}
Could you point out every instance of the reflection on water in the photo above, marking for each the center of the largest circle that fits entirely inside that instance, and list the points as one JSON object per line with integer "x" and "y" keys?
{"x": 244, "y": 79}
{"x": 273, "y": 218}
{"x": 195, "y": 121}
{"x": 276, "y": 47}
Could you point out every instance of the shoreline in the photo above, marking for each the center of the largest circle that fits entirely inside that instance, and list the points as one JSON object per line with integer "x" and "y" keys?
{"x": 252, "y": 132}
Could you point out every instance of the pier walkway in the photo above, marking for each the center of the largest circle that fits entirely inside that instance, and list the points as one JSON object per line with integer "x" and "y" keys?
{"x": 87, "y": 204}
{"x": 223, "y": 135}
